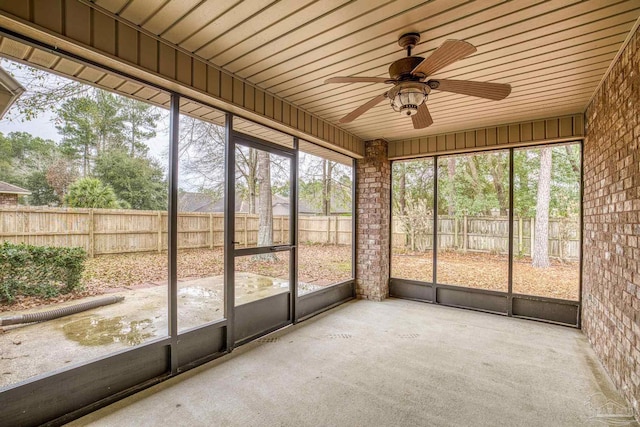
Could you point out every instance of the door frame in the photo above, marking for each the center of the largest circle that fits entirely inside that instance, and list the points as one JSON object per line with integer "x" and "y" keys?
{"x": 247, "y": 322}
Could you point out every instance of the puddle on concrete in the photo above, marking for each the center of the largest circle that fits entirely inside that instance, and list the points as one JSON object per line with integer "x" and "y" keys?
{"x": 259, "y": 283}
{"x": 197, "y": 292}
{"x": 95, "y": 331}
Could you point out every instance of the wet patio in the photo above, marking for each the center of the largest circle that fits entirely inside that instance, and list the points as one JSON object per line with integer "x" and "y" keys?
{"x": 29, "y": 350}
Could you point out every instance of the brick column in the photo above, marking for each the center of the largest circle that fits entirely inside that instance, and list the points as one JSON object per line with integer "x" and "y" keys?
{"x": 373, "y": 202}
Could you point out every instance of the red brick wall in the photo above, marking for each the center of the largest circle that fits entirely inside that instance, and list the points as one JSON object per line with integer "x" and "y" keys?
{"x": 611, "y": 272}
{"x": 373, "y": 201}
{"x": 8, "y": 199}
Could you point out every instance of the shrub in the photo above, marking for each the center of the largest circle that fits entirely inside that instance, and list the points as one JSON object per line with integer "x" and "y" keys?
{"x": 42, "y": 271}
{"x": 91, "y": 193}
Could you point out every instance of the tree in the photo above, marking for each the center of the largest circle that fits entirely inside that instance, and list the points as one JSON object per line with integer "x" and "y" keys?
{"x": 247, "y": 167}
{"x": 138, "y": 181}
{"x": 60, "y": 175}
{"x": 91, "y": 193}
{"x": 25, "y": 161}
{"x": 201, "y": 152}
{"x": 324, "y": 184}
{"x": 78, "y": 129}
{"x": 42, "y": 193}
{"x": 401, "y": 170}
{"x": 540, "y": 253}
{"x": 45, "y": 92}
{"x": 140, "y": 120}
{"x": 108, "y": 122}
{"x": 451, "y": 174}
{"x": 265, "y": 205}
{"x": 327, "y": 172}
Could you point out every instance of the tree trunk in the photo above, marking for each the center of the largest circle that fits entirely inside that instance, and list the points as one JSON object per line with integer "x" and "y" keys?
{"x": 253, "y": 179}
{"x": 265, "y": 205}
{"x": 541, "y": 238}
{"x": 327, "y": 172}
{"x": 325, "y": 207}
{"x": 497, "y": 173}
{"x": 575, "y": 166}
{"x": 451, "y": 172}
{"x": 85, "y": 161}
{"x": 402, "y": 190}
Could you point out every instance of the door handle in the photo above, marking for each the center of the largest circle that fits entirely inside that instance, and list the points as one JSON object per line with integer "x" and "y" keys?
{"x": 280, "y": 248}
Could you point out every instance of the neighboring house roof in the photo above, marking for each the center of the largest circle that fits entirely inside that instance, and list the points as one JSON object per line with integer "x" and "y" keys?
{"x": 200, "y": 202}
{"x": 10, "y": 91}
{"x": 280, "y": 206}
{"x": 195, "y": 202}
{"x": 6, "y": 188}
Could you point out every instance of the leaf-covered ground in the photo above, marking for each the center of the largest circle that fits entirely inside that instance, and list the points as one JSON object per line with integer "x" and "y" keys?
{"x": 318, "y": 265}
{"x": 487, "y": 271}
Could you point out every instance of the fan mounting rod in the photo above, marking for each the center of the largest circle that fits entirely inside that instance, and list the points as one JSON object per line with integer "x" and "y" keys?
{"x": 409, "y": 41}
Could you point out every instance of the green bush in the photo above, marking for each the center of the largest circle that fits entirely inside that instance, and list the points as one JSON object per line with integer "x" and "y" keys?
{"x": 91, "y": 193}
{"x": 42, "y": 271}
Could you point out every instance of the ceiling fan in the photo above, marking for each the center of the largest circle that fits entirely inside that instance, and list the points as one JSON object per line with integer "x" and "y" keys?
{"x": 411, "y": 87}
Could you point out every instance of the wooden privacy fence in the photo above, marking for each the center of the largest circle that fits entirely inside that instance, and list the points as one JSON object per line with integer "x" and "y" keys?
{"x": 113, "y": 231}
{"x": 486, "y": 234}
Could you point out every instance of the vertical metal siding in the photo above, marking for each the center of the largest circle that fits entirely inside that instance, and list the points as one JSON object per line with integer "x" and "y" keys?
{"x": 566, "y": 127}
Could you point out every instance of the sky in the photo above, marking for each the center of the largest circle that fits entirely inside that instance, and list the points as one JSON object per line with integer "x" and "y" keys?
{"x": 44, "y": 127}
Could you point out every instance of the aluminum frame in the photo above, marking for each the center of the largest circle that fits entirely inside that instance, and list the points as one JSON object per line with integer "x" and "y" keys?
{"x": 94, "y": 384}
{"x": 256, "y": 318}
{"x": 532, "y": 307}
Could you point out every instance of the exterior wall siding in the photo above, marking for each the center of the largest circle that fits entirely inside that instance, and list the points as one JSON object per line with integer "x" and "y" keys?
{"x": 556, "y": 129}
{"x": 611, "y": 273}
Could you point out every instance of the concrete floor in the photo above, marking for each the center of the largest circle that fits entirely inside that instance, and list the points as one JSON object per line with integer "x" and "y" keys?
{"x": 394, "y": 363}
{"x": 29, "y": 350}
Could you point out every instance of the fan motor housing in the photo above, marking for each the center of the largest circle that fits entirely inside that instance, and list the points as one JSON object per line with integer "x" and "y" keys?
{"x": 401, "y": 69}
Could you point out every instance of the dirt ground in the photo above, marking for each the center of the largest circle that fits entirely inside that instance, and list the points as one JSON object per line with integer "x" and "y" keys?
{"x": 319, "y": 265}
{"x": 486, "y": 271}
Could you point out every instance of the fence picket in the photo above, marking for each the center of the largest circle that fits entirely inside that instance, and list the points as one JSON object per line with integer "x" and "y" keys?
{"x": 105, "y": 231}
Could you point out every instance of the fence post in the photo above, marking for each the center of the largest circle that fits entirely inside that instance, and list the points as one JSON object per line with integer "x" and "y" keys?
{"x": 211, "y": 231}
{"x": 464, "y": 234}
{"x": 413, "y": 239}
{"x": 520, "y": 240}
{"x": 328, "y": 230}
{"x": 532, "y": 239}
{"x": 92, "y": 242}
{"x": 337, "y": 224}
{"x": 281, "y": 229}
{"x": 561, "y": 230}
{"x": 246, "y": 238}
{"x": 456, "y": 242}
{"x": 159, "y": 231}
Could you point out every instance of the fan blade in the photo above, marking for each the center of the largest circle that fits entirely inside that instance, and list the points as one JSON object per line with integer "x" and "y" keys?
{"x": 449, "y": 52}
{"x": 357, "y": 80}
{"x": 495, "y": 91}
{"x": 422, "y": 118}
{"x": 361, "y": 109}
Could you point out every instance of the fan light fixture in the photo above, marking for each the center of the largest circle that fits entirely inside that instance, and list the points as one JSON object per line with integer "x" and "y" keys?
{"x": 411, "y": 84}
{"x": 407, "y": 96}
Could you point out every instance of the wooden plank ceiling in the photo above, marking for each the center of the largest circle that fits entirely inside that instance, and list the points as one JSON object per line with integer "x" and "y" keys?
{"x": 553, "y": 53}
